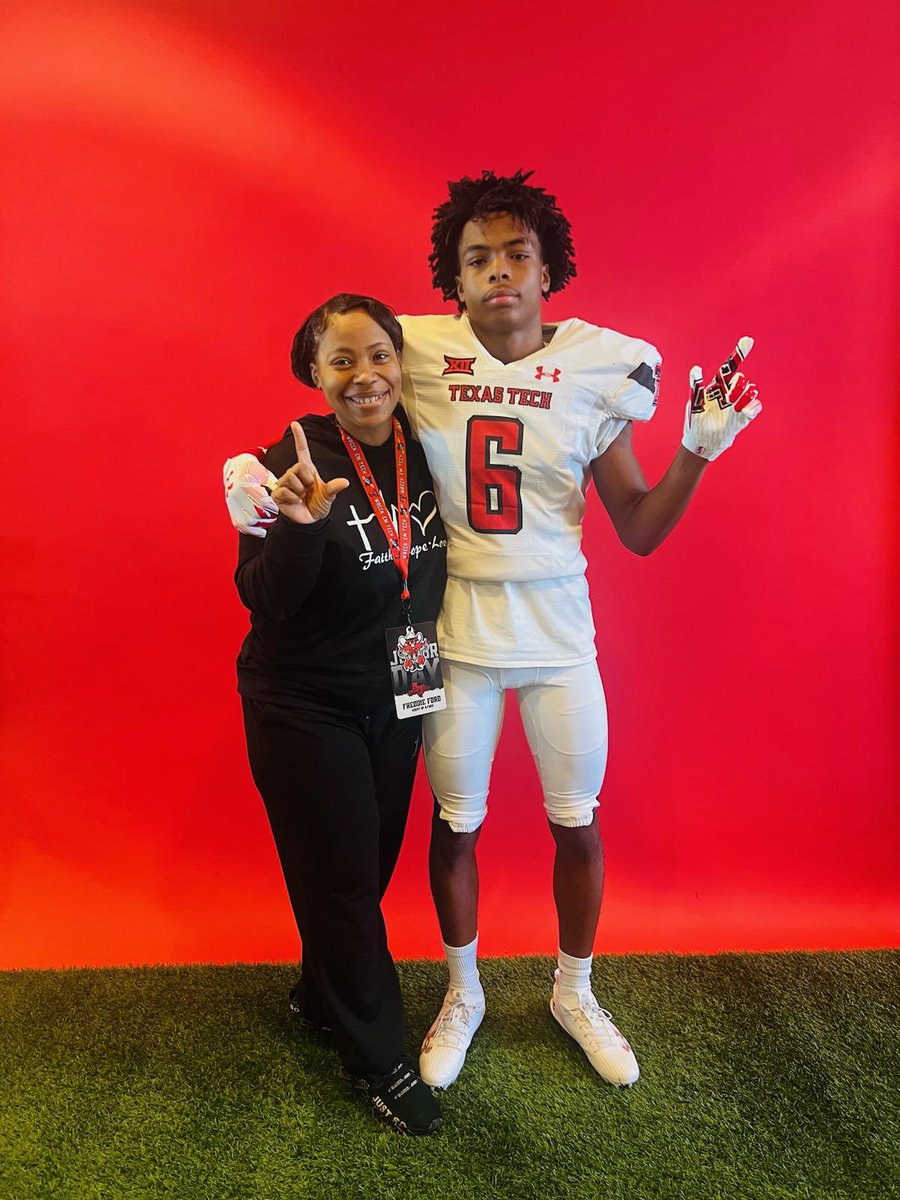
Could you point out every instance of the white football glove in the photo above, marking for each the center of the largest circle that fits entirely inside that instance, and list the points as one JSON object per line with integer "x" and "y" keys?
{"x": 250, "y": 506}
{"x": 717, "y": 413}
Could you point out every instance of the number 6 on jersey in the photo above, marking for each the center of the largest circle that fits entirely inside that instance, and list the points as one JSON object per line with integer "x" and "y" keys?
{"x": 493, "y": 490}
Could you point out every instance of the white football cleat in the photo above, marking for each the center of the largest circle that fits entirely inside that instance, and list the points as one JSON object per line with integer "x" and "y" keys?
{"x": 592, "y": 1028}
{"x": 448, "y": 1039}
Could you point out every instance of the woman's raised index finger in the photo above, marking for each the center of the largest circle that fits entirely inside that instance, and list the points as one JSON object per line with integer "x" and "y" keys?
{"x": 300, "y": 443}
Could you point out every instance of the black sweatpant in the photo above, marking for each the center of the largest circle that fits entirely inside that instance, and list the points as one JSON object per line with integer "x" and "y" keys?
{"x": 336, "y": 790}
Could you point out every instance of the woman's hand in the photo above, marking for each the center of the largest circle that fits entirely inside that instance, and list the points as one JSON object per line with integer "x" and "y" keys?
{"x": 301, "y": 494}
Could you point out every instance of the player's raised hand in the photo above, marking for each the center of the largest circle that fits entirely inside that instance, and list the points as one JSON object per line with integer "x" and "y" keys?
{"x": 250, "y": 506}
{"x": 301, "y": 493}
{"x": 717, "y": 412}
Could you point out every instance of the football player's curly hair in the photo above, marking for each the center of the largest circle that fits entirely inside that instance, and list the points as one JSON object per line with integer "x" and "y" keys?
{"x": 476, "y": 199}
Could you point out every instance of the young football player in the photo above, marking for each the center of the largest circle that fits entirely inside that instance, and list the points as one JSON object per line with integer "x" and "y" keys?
{"x": 516, "y": 417}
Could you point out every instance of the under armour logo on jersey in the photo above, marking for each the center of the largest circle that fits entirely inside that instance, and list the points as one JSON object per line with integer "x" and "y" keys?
{"x": 458, "y": 366}
{"x": 553, "y": 375}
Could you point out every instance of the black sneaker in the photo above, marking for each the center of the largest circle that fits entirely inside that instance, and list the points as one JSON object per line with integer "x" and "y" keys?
{"x": 299, "y": 1017}
{"x": 402, "y": 1100}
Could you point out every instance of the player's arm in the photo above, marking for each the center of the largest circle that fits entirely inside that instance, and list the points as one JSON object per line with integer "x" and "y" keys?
{"x": 644, "y": 517}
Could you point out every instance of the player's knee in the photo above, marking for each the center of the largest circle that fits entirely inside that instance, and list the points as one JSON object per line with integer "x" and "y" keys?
{"x": 567, "y": 813}
{"x": 453, "y": 817}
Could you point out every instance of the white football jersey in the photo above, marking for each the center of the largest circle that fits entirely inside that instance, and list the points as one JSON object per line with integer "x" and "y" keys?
{"x": 509, "y": 445}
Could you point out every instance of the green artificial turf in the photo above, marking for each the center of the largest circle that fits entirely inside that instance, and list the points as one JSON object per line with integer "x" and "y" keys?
{"x": 771, "y": 1075}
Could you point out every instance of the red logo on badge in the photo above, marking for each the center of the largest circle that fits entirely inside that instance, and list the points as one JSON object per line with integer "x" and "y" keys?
{"x": 412, "y": 651}
{"x": 458, "y": 366}
{"x": 540, "y": 373}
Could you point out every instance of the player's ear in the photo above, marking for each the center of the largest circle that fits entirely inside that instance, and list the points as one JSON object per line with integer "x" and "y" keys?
{"x": 459, "y": 290}
{"x": 545, "y": 281}
{"x": 314, "y": 371}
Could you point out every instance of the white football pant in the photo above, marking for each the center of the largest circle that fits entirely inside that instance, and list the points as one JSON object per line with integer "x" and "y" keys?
{"x": 563, "y": 712}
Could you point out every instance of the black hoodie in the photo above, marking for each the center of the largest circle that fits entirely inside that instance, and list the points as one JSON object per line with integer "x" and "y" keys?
{"x": 322, "y": 595}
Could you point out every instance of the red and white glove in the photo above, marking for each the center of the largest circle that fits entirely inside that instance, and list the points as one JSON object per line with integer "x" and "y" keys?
{"x": 250, "y": 506}
{"x": 717, "y": 412}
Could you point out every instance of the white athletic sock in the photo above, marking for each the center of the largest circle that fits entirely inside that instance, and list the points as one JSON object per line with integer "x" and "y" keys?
{"x": 574, "y": 974}
{"x": 463, "y": 964}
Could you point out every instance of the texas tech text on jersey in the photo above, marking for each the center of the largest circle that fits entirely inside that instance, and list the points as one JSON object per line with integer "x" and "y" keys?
{"x": 472, "y": 393}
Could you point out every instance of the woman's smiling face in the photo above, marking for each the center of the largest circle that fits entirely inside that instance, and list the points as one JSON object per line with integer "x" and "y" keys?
{"x": 358, "y": 372}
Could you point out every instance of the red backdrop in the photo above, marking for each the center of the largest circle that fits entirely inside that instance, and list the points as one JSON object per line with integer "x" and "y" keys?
{"x": 182, "y": 182}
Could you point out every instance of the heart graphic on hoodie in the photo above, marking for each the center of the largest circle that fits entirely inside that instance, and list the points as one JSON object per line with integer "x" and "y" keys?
{"x": 423, "y": 521}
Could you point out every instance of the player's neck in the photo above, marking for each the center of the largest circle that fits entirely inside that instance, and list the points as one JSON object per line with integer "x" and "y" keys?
{"x": 512, "y": 344}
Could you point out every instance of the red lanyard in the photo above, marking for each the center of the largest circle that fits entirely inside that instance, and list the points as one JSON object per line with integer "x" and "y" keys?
{"x": 398, "y": 543}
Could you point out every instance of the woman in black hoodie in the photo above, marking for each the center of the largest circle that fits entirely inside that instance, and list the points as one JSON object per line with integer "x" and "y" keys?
{"x": 353, "y": 547}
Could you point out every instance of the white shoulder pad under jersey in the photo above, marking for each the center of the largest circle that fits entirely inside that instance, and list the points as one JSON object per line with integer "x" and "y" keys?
{"x": 510, "y": 444}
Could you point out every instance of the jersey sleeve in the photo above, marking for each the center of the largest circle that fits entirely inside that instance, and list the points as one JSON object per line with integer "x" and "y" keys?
{"x": 635, "y": 396}
{"x": 607, "y": 433}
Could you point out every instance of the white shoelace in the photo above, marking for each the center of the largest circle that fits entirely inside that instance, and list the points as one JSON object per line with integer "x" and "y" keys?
{"x": 598, "y": 1020}
{"x": 448, "y": 1026}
